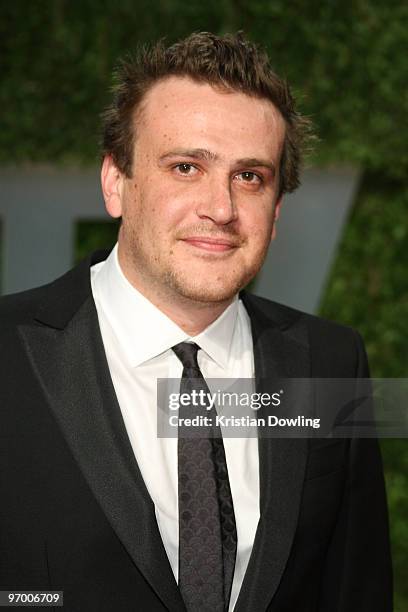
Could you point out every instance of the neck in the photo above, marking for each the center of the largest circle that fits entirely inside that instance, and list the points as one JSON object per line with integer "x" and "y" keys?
{"x": 192, "y": 320}
{"x": 191, "y": 316}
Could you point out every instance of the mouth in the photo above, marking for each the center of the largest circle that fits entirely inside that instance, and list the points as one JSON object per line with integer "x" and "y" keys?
{"x": 212, "y": 244}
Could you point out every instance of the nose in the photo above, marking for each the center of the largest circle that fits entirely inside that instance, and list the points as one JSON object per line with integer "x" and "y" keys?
{"x": 216, "y": 202}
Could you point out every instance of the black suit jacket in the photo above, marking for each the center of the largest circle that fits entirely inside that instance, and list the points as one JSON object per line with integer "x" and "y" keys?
{"x": 75, "y": 514}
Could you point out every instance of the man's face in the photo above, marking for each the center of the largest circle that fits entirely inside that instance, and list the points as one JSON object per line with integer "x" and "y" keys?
{"x": 198, "y": 212}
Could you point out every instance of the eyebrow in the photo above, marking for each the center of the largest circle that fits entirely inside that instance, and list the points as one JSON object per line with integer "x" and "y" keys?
{"x": 210, "y": 156}
{"x": 194, "y": 153}
{"x": 253, "y": 161}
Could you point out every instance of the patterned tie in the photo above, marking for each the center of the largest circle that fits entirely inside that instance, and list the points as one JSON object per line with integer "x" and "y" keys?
{"x": 208, "y": 535}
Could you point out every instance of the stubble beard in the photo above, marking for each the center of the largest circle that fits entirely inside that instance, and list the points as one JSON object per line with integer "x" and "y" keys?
{"x": 156, "y": 278}
{"x": 205, "y": 291}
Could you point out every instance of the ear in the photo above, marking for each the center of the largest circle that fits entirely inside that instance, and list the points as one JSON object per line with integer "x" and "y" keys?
{"x": 276, "y": 214}
{"x": 112, "y": 185}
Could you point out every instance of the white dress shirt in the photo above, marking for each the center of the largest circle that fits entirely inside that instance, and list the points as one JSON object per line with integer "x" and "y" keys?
{"x": 138, "y": 338}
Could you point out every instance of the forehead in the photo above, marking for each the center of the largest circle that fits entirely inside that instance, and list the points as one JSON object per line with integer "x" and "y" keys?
{"x": 180, "y": 111}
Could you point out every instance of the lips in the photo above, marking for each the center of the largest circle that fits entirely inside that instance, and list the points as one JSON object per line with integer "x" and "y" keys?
{"x": 211, "y": 243}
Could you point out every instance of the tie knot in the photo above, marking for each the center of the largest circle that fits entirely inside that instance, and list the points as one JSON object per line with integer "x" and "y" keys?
{"x": 187, "y": 353}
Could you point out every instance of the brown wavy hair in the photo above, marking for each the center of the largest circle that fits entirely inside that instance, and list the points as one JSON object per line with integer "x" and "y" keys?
{"x": 231, "y": 62}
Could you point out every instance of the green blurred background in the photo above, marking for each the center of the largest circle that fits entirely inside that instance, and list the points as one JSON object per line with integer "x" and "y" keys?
{"x": 346, "y": 60}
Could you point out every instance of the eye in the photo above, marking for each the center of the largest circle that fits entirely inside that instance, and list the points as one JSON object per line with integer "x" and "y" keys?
{"x": 250, "y": 182}
{"x": 186, "y": 169}
{"x": 249, "y": 178}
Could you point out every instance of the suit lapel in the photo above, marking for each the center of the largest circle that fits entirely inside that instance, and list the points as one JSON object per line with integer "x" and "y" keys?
{"x": 68, "y": 356}
{"x": 280, "y": 351}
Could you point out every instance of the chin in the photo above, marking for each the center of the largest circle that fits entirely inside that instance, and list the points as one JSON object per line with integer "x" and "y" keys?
{"x": 207, "y": 295}
{"x": 208, "y": 291}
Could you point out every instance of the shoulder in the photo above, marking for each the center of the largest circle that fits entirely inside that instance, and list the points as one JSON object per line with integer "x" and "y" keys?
{"x": 286, "y": 316}
{"x": 19, "y": 308}
{"x": 17, "y": 311}
{"x": 55, "y": 302}
{"x": 333, "y": 347}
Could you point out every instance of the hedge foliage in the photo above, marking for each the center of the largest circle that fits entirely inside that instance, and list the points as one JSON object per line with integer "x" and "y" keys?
{"x": 346, "y": 58}
{"x": 347, "y": 63}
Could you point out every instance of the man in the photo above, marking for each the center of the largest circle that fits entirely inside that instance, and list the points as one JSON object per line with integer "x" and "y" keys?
{"x": 200, "y": 144}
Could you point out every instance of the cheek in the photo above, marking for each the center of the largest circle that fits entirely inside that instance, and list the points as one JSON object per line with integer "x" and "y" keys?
{"x": 258, "y": 226}
{"x": 140, "y": 207}
{"x": 155, "y": 217}
{"x": 168, "y": 210}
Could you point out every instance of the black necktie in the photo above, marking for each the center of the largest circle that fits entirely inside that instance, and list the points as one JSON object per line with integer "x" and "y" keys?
{"x": 208, "y": 535}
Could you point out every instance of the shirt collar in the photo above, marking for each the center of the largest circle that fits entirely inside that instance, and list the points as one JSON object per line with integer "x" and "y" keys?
{"x": 143, "y": 331}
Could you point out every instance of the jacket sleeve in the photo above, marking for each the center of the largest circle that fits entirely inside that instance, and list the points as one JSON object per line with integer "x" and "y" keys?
{"x": 358, "y": 570}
